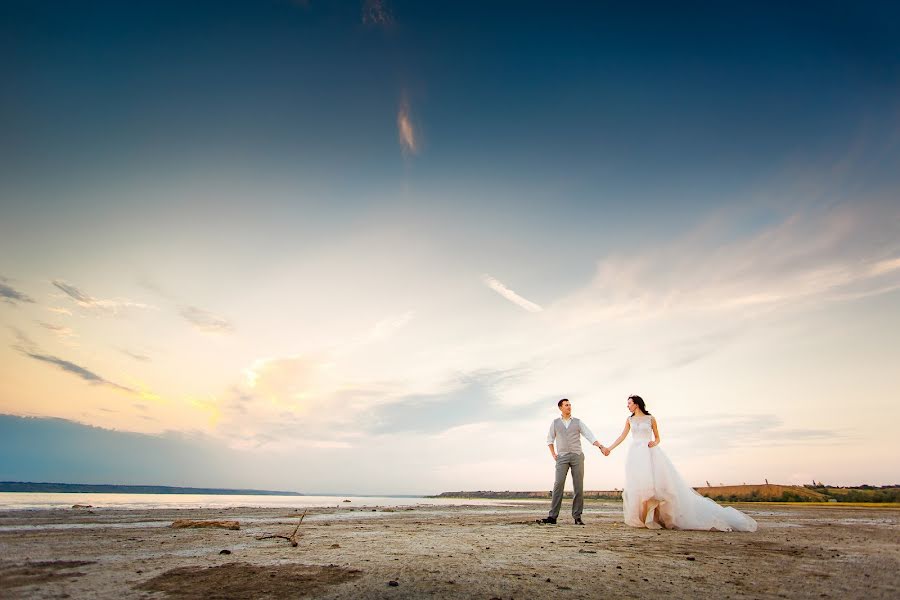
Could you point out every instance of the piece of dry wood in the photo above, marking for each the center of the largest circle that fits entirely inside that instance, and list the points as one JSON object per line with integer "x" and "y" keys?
{"x": 188, "y": 523}
{"x": 291, "y": 538}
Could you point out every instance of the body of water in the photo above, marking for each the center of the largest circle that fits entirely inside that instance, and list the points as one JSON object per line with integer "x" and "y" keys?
{"x": 36, "y": 500}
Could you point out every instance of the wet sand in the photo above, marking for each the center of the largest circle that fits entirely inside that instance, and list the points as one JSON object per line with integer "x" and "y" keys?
{"x": 445, "y": 552}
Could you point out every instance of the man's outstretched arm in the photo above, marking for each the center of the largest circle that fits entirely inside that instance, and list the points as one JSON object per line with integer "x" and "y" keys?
{"x": 589, "y": 436}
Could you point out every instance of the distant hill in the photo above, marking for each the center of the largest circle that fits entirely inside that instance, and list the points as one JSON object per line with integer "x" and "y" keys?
{"x": 86, "y": 488}
{"x": 767, "y": 492}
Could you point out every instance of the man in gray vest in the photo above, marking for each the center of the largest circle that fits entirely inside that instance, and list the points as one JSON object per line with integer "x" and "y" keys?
{"x": 567, "y": 432}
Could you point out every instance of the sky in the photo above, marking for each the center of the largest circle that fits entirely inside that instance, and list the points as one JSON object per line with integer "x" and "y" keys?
{"x": 364, "y": 247}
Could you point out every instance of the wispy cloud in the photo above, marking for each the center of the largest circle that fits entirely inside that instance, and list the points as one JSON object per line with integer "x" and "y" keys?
{"x": 89, "y": 302}
{"x": 721, "y": 432}
{"x": 135, "y": 355}
{"x": 290, "y": 402}
{"x": 205, "y": 321}
{"x": 406, "y": 131}
{"x": 380, "y": 331}
{"x": 469, "y": 400}
{"x": 510, "y": 295}
{"x": 11, "y": 295}
{"x": 28, "y": 348}
{"x": 376, "y": 13}
{"x": 813, "y": 255}
{"x": 60, "y": 331}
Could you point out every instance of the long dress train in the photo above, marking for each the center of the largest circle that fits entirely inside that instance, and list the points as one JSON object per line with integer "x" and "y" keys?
{"x": 656, "y": 496}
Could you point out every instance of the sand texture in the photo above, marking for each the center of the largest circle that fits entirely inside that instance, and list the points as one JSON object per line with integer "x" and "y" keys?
{"x": 445, "y": 552}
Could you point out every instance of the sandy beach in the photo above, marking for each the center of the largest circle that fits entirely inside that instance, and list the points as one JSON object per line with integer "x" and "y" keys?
{"x": 444, "y": 552}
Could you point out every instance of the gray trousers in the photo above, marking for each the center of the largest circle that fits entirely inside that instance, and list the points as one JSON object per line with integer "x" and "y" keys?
{"x": 563, "y": 464}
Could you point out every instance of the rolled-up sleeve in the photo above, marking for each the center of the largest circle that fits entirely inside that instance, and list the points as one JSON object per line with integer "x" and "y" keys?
{"x": 551, "y": 435}
{"x": 587, "y": 433}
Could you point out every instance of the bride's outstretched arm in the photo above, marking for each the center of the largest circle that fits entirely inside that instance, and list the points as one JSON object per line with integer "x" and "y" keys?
{"x": 621, "y": 437}
{"x": 655, "y": 441}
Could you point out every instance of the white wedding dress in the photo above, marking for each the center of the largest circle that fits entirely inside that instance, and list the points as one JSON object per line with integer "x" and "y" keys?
{"x": 656, "y": 496}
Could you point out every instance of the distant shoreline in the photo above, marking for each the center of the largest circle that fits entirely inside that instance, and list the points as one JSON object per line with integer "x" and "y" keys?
{"x": 84, "y": 488}
{"x": 768, "y": 492}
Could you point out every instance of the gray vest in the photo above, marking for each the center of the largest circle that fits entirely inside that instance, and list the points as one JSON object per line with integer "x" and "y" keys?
{"x": 568, "y": 439}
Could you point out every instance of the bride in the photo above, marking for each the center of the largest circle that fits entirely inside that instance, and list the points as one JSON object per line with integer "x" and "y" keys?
{"x": 655, "y": 495}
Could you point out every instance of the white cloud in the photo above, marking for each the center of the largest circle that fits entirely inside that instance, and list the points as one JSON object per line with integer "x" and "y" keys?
{"x": 811, "y": 256}
{"x": 84, "y": 300}
{"x": 510, "y": 295}
{"x": 406, "y": 132}
{"x": 60, "y": 331}
{"x": 205, "y": 321}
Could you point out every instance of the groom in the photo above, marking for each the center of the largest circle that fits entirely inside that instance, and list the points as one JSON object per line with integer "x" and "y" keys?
{"x": 567, "y": 432}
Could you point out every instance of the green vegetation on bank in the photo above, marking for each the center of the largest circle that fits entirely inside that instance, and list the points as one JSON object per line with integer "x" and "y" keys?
{"x": 808, "y": 493}
{"x": 863, "y": 493}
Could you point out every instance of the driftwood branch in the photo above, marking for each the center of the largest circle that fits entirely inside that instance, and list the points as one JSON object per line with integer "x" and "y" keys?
{"x": 291, "y": 538}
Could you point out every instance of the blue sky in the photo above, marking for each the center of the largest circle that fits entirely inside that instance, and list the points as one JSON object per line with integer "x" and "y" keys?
{"x": 389, "y": 235}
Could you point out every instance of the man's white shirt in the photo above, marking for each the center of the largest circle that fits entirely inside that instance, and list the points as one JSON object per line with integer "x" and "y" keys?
{"x": 585, "y": 431}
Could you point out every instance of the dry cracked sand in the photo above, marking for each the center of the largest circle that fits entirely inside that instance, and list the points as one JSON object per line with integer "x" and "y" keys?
{"x": 445, "y": 552}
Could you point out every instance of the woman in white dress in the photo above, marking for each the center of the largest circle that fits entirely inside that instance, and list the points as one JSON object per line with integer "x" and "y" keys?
{"x": 655, "y": 495}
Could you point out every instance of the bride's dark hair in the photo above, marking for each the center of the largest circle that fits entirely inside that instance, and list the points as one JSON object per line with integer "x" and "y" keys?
{"x": 640, "y": 402}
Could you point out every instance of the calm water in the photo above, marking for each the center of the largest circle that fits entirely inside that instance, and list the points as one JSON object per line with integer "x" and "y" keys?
{"x": 31, "y": 500}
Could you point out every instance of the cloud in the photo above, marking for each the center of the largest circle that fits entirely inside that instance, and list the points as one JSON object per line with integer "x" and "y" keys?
{"x": 386, "y": 327}
{"x": 721, "y": 432}
{"x": 381, "y": 331}
{"x": 685, "y": 351}
{"x": 510, "y": 295}
{"x": 287, "y": 379}
{"x": 295, "y": 402}
{"x": 205, "y": 321}
{"x": 62, "y": 332}
{"x": 809, "y": 256}
{"x": 470, "y": 400}
{"x": 201, "y": 319}
{"x": 87, "y": 301}
{"x": 376, "y": 13}
{"x": 135, "y": 355}
{"x": 12, "y": 296}
{"x": 406, "y": 132}
{"x": 28, "y": 348}
{"x": 80, "y": 371}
